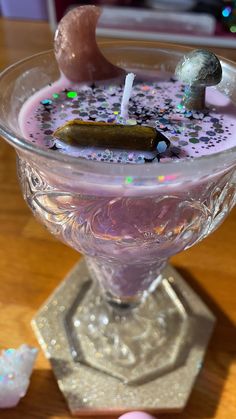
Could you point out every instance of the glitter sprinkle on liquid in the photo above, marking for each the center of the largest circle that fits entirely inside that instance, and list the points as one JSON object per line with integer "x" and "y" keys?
{"x": 157, "y": 104}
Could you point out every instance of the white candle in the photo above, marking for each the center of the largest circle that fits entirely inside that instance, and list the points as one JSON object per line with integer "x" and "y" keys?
{"x": 126, "y": 95}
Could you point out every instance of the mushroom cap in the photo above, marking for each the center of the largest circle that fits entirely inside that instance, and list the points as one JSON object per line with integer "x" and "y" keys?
{"x": 199, "y": 68}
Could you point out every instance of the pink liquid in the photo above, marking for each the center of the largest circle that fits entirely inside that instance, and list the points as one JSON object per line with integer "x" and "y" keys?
{"x": 131, "y": 237}
{"x": 192, "y": 134}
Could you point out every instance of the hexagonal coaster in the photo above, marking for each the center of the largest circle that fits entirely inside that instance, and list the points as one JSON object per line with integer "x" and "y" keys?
{"x": 161, "y": 382}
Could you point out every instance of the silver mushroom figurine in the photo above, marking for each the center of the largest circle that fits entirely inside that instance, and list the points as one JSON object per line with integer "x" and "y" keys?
{"x": 198, "y": 69}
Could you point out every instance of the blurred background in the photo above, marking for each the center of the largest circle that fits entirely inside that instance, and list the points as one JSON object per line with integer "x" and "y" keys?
{"x": 205, "y": 22}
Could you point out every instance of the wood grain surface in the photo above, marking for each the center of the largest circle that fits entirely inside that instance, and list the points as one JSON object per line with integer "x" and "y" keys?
{"x": 32, "y": 263}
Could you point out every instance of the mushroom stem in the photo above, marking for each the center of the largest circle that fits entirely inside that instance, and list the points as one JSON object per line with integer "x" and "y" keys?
{"x": 194, "y": 97}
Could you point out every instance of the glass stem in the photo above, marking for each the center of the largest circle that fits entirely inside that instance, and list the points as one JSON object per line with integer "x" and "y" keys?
{"x": 125, "y": 286}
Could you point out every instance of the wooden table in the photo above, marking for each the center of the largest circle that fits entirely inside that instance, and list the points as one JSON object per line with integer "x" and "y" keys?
{"x": 25, "y": 282}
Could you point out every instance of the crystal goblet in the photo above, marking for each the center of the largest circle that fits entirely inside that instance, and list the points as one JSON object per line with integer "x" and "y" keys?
{"x": 126, "y": 314}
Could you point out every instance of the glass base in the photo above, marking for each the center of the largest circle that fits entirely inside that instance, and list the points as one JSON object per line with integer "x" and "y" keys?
{"x": 160, "y": 344}
{"x": 134, "y": 345}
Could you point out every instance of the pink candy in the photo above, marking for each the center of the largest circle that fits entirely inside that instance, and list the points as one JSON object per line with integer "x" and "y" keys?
{"x": 136, "y": 415}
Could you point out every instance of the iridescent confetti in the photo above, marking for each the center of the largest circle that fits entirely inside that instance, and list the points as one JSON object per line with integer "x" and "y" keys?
{"x": 155, "y": 104}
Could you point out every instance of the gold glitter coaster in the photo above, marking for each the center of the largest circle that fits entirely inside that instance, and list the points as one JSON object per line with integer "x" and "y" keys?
{"x": 89, "y": 390}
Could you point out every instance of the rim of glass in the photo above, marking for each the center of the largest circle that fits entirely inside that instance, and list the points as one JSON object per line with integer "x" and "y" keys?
{"x": 106, "y": 168}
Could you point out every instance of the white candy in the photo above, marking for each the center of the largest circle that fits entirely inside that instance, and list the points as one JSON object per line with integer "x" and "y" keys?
{"x": 16, "y": 366}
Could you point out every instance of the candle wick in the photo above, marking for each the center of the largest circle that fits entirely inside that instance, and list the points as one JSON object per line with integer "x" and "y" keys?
{"x": 126, "y": 95}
